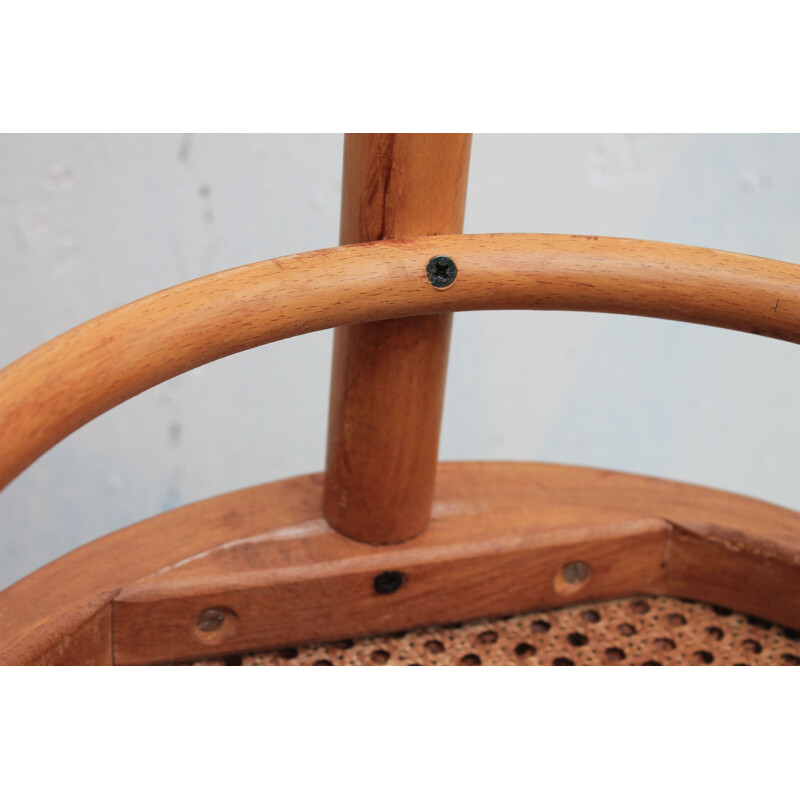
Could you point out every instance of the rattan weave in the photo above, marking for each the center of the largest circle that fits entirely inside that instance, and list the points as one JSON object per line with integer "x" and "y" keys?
{"x": 630, "y": 631}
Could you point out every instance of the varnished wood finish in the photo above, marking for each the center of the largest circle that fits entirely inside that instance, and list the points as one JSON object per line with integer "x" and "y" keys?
{"x": 447, "y": 579}
{"x": 388, "y": 377}
{"x": 499, "y": 538}
{"x": 718, "y": 564}
{"x": 63, "y": 384}
{"x": 401, "y": 185}
{"x": 387, "y": 393}
{"x": 87, "y": 644}
{"x": 58, "y": 600}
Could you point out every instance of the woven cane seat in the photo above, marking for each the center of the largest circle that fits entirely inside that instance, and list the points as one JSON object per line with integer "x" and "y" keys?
{"x": 648, "y": 631}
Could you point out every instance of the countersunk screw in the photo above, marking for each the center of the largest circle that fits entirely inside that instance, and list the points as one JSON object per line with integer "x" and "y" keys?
{"x": 388, "y": 582}
{"x": 210, "y": 620}
{"x": 576, "y": 572}
{"x": 442, "y": 271}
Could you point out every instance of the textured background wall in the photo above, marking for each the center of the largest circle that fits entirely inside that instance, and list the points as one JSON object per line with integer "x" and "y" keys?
{"x": 93, "y": 221}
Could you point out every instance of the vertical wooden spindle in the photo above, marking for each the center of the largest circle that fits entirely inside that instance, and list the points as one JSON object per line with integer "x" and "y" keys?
{"x": 387, "y": 386}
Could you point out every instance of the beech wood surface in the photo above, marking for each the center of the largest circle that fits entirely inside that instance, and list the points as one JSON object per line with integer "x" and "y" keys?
{"x": 388, "y": 377}
{"x": 499, "y": 538}
{"x": 63, "y": 384}
{"x": 87, "y": 644}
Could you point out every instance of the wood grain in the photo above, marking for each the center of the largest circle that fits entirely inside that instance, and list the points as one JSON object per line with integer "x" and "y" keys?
{"x": 443, "y": 583}
{"x": 717, "y": 564}
{"x": 63, "y": 384}
{"x": 400, "y": 185}
{"x": 58, "y": 600}
{"x": 499, "y": 538}
{"x": 87, "y": 644}
{"x": 388, "y": 377}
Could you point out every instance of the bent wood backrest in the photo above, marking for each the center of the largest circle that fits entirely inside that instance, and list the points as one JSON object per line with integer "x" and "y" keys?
{"x": 65, "y": 383}
{"x": 499, "y": 533}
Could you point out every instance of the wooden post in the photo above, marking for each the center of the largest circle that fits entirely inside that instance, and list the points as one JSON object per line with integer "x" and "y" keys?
{"x": 387, "y": 387}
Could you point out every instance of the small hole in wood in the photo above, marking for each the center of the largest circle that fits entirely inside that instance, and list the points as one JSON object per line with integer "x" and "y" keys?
{"x": 626, "y": 629}
{"x": 715, "y": 633}
{"x": 540, "y": 626}
{"x": 791, "y": 660}
{"x": 759, "y": 623}
{"x": 721, "y": 611}
{"x": 525, "y": 649}
{"x": 288, "y": 653}
{"x": 379, "y": 656}
{"x": 470, "y": 660}
{"x": 590, "y": 615}
{"x": 323, "y": 662}
{"x": 652, "y": 664}
{"x": 676, "y": 619}
{"x": 703, "y": 657}
{"x": 388, "y": 582}
{"x": 614, "y": 655}
{"x": 577, "y": 639}
{"x": 563, "y": 662}
{"x": 751, "y": 646}
{"x": 434, "y": 646}
{"x": 487, "y": 637}
{"x": 640, "y": 606}
{"x": 665, "y": 644}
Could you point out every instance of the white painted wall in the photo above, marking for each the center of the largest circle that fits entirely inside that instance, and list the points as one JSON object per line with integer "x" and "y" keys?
{"x": 89, "y": 222}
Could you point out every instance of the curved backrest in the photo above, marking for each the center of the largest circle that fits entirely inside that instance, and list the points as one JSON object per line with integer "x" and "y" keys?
{"x": 234, "y": 554}
{"x": 60, "y": 386}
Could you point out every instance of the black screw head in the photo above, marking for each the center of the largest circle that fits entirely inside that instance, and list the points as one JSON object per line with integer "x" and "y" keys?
{"x": 442, "y": 271}
{"x": 388, "y": 582}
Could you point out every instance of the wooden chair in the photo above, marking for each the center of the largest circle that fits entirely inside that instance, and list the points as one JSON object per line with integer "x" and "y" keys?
{"x": 386, "y": 539}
